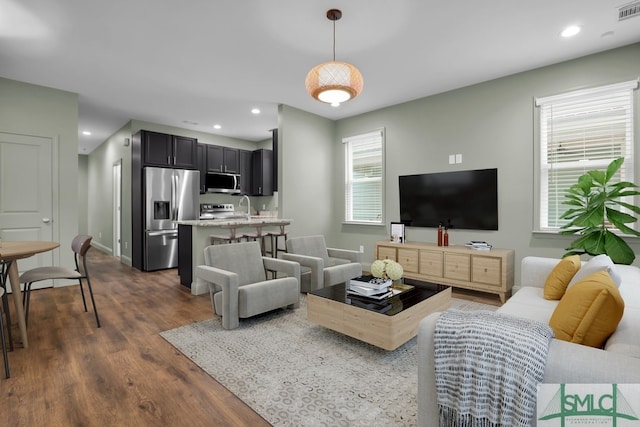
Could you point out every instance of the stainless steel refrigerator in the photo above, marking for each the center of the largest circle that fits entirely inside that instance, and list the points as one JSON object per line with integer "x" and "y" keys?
{"x": 170, "y": 195}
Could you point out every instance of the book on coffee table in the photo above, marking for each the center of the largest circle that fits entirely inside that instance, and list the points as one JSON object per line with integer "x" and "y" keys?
{"x": 379, "y": 296}
{"x": 364, "y": 290}
{"x": 371, "y": 282}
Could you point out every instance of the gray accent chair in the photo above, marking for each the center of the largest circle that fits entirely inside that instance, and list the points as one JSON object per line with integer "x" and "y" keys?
{"x": 238, "y": 282}
{"x": 321, "y": 266}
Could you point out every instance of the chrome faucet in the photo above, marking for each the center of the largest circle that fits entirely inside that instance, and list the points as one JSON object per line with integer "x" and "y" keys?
{"x": 248, "y": 205}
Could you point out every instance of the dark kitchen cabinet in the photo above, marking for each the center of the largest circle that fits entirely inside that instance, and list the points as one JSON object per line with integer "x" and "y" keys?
{"x": 262, "y": 173}
{"x": 214, "y": 158}
{"x": 185, "y": 255}
{"x": 274, "y": 145}
{"x": 231, "y": 158}
{"x": 246, "y": 157}
{"x": 163, "y": 150}
{"x": 185, "y": 152}
{"x": 202, "y": 166}
{"x": 222, "y": 159}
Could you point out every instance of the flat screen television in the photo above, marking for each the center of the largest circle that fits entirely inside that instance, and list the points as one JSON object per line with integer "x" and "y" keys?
{"x": 457, "y": 200}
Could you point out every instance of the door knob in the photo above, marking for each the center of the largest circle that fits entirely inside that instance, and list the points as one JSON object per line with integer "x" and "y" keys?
{"x": 46, "y": 220}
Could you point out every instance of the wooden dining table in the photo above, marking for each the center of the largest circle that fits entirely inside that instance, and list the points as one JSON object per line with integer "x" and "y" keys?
{"x": 10, "y": 253}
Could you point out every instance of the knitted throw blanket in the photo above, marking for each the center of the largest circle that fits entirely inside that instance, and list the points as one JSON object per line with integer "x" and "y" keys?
{"x": 488, "y": 366}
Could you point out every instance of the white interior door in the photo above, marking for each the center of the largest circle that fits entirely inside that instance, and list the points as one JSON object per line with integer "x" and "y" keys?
{"x": 26, "y": 194}
{"x": 117, "y": 207}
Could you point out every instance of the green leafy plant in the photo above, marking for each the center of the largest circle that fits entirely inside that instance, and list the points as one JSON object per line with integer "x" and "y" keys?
{"x": 595, "y": 203}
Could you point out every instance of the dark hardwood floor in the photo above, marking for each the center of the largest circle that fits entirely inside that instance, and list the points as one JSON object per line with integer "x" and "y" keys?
{"x": 123, "y": 374}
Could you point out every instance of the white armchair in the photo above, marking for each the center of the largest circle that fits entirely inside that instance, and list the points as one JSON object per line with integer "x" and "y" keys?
{"x": 321, "y": 266}
{"x": 238, "y": 284}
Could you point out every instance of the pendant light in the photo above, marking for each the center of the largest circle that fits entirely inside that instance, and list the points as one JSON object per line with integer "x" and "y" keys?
{"x": 334, "y": 82}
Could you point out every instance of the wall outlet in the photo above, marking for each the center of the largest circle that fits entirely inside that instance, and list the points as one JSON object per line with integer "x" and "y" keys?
{"x": 458, "y": 158}
{"x": 452, "y": 159}
{"x": 362, "y": 248}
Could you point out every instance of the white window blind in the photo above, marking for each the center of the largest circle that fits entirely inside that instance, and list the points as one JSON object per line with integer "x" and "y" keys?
{"x": 580, "y": 131}
{"x": 364, "y": 177}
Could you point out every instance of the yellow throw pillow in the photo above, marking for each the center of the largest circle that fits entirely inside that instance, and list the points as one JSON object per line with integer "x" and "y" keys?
{"x": 589, "y": 311}
{"x": 560, "y": 276}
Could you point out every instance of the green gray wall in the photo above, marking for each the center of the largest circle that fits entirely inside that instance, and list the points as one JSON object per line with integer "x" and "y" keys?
{"x": 307, "y": 172}
{"x": 41, "y": 111}
{"x": 492, "y": 125}
{"x": 100, "y": 193}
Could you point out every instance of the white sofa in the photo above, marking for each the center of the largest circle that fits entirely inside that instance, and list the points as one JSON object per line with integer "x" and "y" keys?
{"x": 567, "y": 363}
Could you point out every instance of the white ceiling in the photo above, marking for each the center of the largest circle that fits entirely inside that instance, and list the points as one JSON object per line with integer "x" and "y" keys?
{"x": 194, "y": 63}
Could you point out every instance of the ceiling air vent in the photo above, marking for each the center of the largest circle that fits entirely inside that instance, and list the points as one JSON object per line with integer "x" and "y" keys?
{"x": 629, "y": 10}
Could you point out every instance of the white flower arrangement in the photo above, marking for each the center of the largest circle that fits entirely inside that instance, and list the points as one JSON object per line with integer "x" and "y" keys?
{"x": 386, "y": 268}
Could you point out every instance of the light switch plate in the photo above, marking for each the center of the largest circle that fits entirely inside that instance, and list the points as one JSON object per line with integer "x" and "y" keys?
{"x": 452, "y": 159}
{"x": 458, "y": 158}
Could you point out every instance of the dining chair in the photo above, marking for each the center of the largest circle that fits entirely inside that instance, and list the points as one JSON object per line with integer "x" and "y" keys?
{"x": 3, "y": 339}
{"x": 80, "y": 245}
{"x": 4, "y": 270}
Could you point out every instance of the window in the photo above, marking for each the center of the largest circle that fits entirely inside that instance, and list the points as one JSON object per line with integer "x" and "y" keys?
{"x": 580, "y": 131}
{"x": 364, "y": 178}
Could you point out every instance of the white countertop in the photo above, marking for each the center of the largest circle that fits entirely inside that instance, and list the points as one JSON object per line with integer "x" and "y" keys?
{"x": 255, "y": 221}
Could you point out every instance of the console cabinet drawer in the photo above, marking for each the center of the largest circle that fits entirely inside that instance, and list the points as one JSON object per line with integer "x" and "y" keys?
{"x": 431, "y": 263}
{"x": 385, "y": 252}
{"x": 408, "y": 259}
{"x": 486, "y": 270}
{"x": 457, "y": 266}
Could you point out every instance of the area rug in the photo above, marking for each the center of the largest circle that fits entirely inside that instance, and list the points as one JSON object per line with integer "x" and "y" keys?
{"x": 295, "y": 373}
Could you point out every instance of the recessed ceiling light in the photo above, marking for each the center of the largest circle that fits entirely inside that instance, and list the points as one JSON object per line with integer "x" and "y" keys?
{"x": 570, "y": 31}
{"x": 255, "y": 111}
{"x": 86, "y": 132}
{"x": 217, "y": 126}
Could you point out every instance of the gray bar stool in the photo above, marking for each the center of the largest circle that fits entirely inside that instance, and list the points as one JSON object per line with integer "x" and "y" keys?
{"x": 258, "y": 236}
{"x": 232, "y": 237}
{"x": 274, "y": 235}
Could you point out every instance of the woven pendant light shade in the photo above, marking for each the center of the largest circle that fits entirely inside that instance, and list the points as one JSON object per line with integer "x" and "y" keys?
{"x": 334, "y": 82}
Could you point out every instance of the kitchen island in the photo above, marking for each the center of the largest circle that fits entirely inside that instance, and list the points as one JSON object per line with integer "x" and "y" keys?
{"x": 194, "y": 236}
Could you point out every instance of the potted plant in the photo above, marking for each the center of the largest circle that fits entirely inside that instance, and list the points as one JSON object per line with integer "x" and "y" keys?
{"x": 595, "y": 203}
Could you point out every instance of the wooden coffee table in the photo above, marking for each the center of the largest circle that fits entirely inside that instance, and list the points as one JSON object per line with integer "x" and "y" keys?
{"x": 387, "y": 324}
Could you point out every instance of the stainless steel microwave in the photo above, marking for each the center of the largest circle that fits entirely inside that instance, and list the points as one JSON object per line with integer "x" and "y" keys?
{"x": 228, "y": 183}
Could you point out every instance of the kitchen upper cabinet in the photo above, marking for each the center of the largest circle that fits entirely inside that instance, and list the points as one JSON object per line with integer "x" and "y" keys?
{"x": 202, "y": 166}
{"x": 246, "y": 162}
{"x": 163, "y": 150}
{"x": 222, "y": 159}
{"x": 214, "y": 158}
{"x": 185, "y": 154}
{"x": 262, "y": 173}
{"x": 231, "y": 157}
